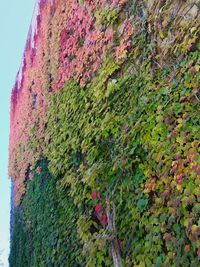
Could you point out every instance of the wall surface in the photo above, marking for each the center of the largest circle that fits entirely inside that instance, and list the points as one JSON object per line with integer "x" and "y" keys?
{"x": 104, "y": 142}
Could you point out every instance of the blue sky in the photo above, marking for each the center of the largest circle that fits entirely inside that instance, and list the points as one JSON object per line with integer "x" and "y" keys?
{"x": 14, "y": 24}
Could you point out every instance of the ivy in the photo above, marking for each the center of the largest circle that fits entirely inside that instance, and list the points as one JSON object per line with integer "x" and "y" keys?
{"x": 111, "y": 103}
{"x": 45, "y": 231}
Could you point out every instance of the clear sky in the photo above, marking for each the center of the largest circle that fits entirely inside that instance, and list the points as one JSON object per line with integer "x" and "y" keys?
{"x": 15, "y": 19}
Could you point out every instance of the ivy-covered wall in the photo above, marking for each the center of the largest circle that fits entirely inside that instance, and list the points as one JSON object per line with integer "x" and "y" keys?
{"x": 105, "y": 141}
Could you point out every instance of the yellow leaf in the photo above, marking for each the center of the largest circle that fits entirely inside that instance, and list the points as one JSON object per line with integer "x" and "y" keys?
{"x": 179, "y": 140}
{"x": 180, "y": 121}
{"x": 193, "y": 29}
{"x": 197, "y": 68}
{"x": 161, "y": 34}
{"x": 179, "y": 187}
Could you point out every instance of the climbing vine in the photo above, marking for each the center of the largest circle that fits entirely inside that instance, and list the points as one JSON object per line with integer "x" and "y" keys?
{"x": 112, "y": 105}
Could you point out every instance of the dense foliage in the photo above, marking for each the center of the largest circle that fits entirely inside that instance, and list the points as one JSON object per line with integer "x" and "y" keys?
{"x": 110, "y": 99}
{"x": 45, "y": 232}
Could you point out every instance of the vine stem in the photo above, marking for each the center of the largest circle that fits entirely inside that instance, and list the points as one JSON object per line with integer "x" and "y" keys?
{"x": 115, "y": 248}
